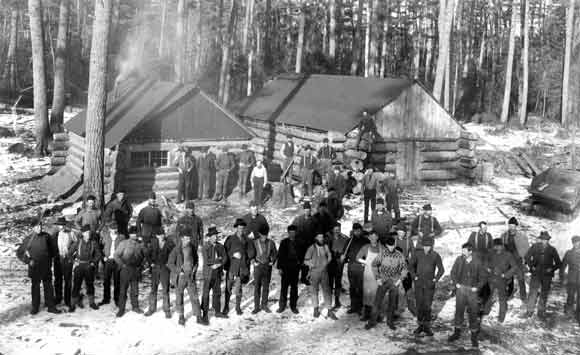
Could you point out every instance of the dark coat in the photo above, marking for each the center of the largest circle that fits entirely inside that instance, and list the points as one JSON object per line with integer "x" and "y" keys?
{"x": 354, "y": 245}
{"x": 253, "y": 224}
{"x": 501, "y": 266}
{"x": 482, "y": 243}
{"x": 305, "y": 232}
{"x": 382, "y": 224}
{"x": 120, "y": 211}
{"x": 206, "y": 164}
{"x": 542, "y": 261}
{"x": 426, "y": 226}
{"x": 469, "y": 274}
{"x": 323, "y": 221}
{"x": 336, "y": 245}
{"x": 243, "y": 245}
{"x": 334, "y": 205}
{"x": 36, "y": 252}
{"x": 572, "y": 261}
{"x": 107, "y": 241}
{"x": 130, "y": 254}
{"x": 422, "y": 267}
{"x": 160, "y": 256}
{"x": 265, "y": 253}
{"x": 149, "y": 222}
{"x": 176, "y": 261}
{"x": 213, "y": 254}
{"x": 406, "y": 247}
{"x": 87, "y": 252}
{"x": 191, "y": 224}
{"x": 90, "y": 217}
{"x": 288, "y": 255}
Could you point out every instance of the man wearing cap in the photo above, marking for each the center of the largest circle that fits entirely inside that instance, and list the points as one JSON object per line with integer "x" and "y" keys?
{"x": 288, "y": 265}
{"x": 184, "y": 167}
{"x": 247, "y": 161}
{"x": 36, "y": 252}
{"x": 66, "y": 241}
{"x": 111, "y": 241}
{"x": 469, "y": 276}
{"x": 205, "y": 167}
{"x": 370, "y": 185}
{"x": 323, "y": 219}
{"x": 572, "y": 262}
{"x": 355, "y": 269}
{"x": 516, "y": 243}
{"x": 305, "y": 232}
{"x": 238, "y": 248}
{"x": 254, "y": 221}
{"x": 161, "y": 247}
{"x": 120, "y": 210}
{"x": 381, "y": 220}
{"x": 391, "y": 189}
{"x": 223, "y": 165}
{"x": 259, "y": 179}
{"x": 543, "y": 261}
{"x": 482, "y": 241}
{"x": 500, "y": 268}
{"x": 326, "y": 155}
{"x": 149, "y": 220}
{"x": 89, "y": 216}
{"x": 307, "y": 166}
{"x": 263, "y": 257}
{"x": 317, "y": 258}
{"x": 183, "y": 263}
{"x": 426, "y": 225}
{"x": 287, "y": 152}
{"x": 337, "y": 243}
{"x": 426, "y": 268}
{"x": 129, "y": 256}
{"x": 389, "y": 269}
{"x": 214, "y": 259}
{"x": 192, "y": 222}
{"x": 86, "y": 257}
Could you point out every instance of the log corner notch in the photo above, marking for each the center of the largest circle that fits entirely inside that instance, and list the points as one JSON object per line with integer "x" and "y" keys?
{"x": 466, "y": 153}
{"x": 59, "y": 146}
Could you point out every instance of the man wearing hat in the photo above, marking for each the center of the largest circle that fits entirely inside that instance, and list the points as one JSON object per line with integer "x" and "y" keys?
{"x": 468, "y": 275}
{"x": 214, "y": 259}
{"x": 288, "y": 265}
{"x": 501, "y": 268}
{"x": 259, "y": 179}
{"x": 36, "y": 252}
{"x": 120, "y": 210}
{"x": 543, "y": 261}
{"x": 355, "y": 269}
{"x": 390, "y": 268}
{"x": 481, "y": 240}
{"x": 317, "y": 258}
{"x": 381, "y": 220}
{"x": 516, "y": 243}
{"x": 287, "y": 152}
{"x": 65, "y": 241}
{"x": 572, "y": 262}
{"x": 426, "y": 268}
{"x": 307, "y": 166}
{"x": 86, "y": 257}
{"x": 90, "y": 215}
{"x": 326, "y": 155}
{"x": 305, "y": 232}
{"x": 247, "y": 161}
{"x": 223, "y": 165}
{"x": 161, "y": 248}
{"x": 149, "y": 220}
{"x": 337, "y": 243}
{"x": 191, "y": 221}
{"x": 205, "y": 168}
{"x": 263, "y": 256}
{"x": 111, "y": 239}
{"x": 426, "y": 225}
{"x": 238, "y": 249}
{"x": 129, "y": 256}
{"x": 184, "y": 166}
{"x": 254, "y": 221}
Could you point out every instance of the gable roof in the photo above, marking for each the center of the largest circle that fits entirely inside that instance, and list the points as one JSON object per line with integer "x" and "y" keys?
{"x": 165, "y": 111}
{"x": 322, "y": 102}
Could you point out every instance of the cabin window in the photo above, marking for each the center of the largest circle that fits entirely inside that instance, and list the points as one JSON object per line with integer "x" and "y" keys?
{"x": 151, "y": 159}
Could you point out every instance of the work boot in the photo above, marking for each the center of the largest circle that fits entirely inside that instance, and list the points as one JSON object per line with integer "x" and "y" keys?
{"x": 120, "y": 313}
{"x": 168, "y": 315}
{"x": 418, "y": 331}
{"x": 391, "y": 324}
{"x": 149, "y": 312}
{"x": 331, "y": 315}
{"x": 202, "y": 321}
{"x": 295, "y": 310}
{"x": 54, "y": 310}
{"x": 103, "y": 302}
{"x": 181, "y": 320}
{"x": 366, "y": 314}
{"x": 138, "y": 310}
{"x": 456, "y": 334}
{"x": 266, "y": 309}
{"x": 92, "y": 303}
{"x": 79, "y": 303}
{"x": 428, "y": 331}
{"x": 474, "y": 340}
{"x": 370, "y": 324}
{"x": 352, "y": 310}
{"x": 226, "y": 309}
{"x": 337, "y": 304}
{"x": 239, "y": 305}
{"x": 281, "y": 309}
{"x": 316, "y": 313}
{"x": 219, "y": 314}
{"x": 256, "y": 310}
{"x": 33, "y": 311}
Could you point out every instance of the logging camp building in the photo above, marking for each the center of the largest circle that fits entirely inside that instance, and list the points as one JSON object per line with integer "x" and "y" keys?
{"x": 414, "y": 136}
{"x": 146, "y": 123}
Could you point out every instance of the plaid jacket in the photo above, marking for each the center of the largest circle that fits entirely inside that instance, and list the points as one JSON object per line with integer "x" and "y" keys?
{"x": 390, "y": 266}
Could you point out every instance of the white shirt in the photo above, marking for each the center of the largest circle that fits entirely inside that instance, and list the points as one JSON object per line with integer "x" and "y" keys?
{"x": 113, "y": 238}
{"x": 64, "y": 242}
{"x": 259, "y": 173}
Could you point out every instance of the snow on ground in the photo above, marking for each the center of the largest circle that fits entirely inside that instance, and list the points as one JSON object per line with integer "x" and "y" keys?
{"x": 99, "y": 332}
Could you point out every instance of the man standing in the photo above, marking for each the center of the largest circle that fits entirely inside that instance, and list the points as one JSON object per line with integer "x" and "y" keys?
{"x": 239, "y": 249}
{"x": 129, "y": 257}
{"x": 326, "y": 154}
{"x": 337, "y": 181}
{"x": 149, "y": 221}
{"x": 317, "y": 258}
{"x": 516, "y": 243}
{"x": 392, "y": 189}
{"x": 337, "y": 243}
{"x": 543, "y": 261}
{"x": 305, "y": 229}
{"x": 111, "y": 241}
{"x": 468, "y": 275}
{"x": 289, "y": 268}
{"x": 192, "y": 222}
{"x": 501, "y": 267}
{"x": 481, "y": 241}
{"x": 355, "y": 269}
{"x": 370, "y": 184}
{"x": 120, "y": 210}
{"x": 183, "y": 262}
{"x": 425, "y": 225}
{"x": 390, "y": 268}
{"x": 66, "y": 240}
{"x": 307, "y": 168}
{"x": 161, "y": 247}
{"x": 287, "y": 152}
{"x": 36, "y": 252}
{"x": 205, "y": 167}
{"x": 247, "y": 160}
{"x": 408, "y": 245}
{"x": 86, "y": 258}
{"x": 422, "y": 267}
{"x": 572, "y": 262}
{"x": 334, "y": 204}
{"x": 224, "y": 164}
{"x": 184, "y": 167}
{"x": 382, "y": 222}
{"x": 259, "y": 179}
{"x": 90, "y": 216}
{"x": 254, "y": 221}
{"x": 263, "y": 258}
{"x": 214, "y": 258}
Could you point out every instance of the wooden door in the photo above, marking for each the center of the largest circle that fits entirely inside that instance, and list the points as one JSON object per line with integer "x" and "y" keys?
{"x": 408, "y": 162}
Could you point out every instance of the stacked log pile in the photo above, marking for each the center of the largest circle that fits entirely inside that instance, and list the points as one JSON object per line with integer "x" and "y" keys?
{"x": 140, "y": 182}
{"x": 60, "y": 147}
{"x": 466, "y": 153}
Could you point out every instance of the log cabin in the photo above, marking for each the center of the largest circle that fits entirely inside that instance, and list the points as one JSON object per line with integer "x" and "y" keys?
{"x": 418, "y": 139}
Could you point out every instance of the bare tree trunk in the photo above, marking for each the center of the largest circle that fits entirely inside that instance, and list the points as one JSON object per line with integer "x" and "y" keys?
{"x": 525, "y": 64}
{"x": 510, "y": 64}
{"x": 247, "y": 24}
{"x": 59, "y": 91}
{"x": 446, "y": 83}
{"x": 368, "y": 38}
{"x": 384, "y": 44}
{"x": 446, "y": 10}
{"x": 332, "y": 31}
{"x": 199, "y": 41}
{"x": 97, "y": 103}
{"x": 429, "y": 54}
{"x": 300, "y": 45}
{"x": 567, "y": 58}
{"x": 9, "y": 72}
{"x": 39, "y": 76}
{"x": 374, "y": 28}
{"x": 250, "y": 68}
{"x": 180, "y": 41}
{"x": 356, "y": 38}
{"x": 162, "y": 30}
{"x": 267, "y": 45}
{"x": 226, "y": 48}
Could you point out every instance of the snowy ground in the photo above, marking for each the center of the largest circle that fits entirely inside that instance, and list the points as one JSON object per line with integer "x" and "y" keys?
{"x": 99, "y": 332}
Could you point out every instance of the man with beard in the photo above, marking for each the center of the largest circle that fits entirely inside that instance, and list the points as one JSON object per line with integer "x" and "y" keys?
{"x": 337, "y": 243}
{"x": 161, "y": 247}
{"x": 501, "y": 267}
{"x": 355, "y": 269}
{"x": 192, "y": 222}
{"x": 289, "y": 267}
{"x": 254, "y": 221}
{"x": 426, "y": 225}
{"x": 66, "y": 240}
{"x": 305, "y": 229}
{"x": 263, "y": 258}
{"x": 90, "y": 216}
{"x": 516, "y": 243}
{"x": 307, "y": 166}
{"x": 239, "y": 249}
{"x": 382, "y": 221}
{"x": 317, "y": 258}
